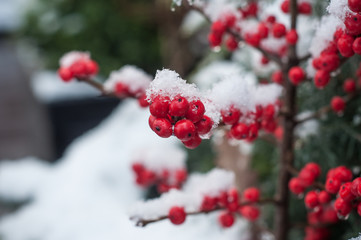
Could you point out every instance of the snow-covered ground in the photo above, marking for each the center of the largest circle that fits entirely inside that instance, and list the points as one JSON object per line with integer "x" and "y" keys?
{"x": 87, "y": 194}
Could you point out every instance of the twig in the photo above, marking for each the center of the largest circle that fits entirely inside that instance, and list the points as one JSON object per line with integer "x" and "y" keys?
{"x": 144, "y": 222}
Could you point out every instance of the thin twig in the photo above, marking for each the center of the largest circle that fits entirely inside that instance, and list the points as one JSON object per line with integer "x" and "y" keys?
{"x": 144, "y": 222}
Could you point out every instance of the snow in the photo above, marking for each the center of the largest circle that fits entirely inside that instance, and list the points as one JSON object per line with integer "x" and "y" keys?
{"x": 87, "y": 194}
{"x": 338, "y": 8}
{"x": 356, "y": 238}
{"x": 307, "y": 128}
{"x": 190, "y": 197}
{"x": 69, "y": 58}
{"x": 48, "y": 87}
{"x": 135, "y": 78}
{"x": 12, "y": 13}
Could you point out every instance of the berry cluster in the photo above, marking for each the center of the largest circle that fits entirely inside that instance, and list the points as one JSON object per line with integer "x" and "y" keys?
{"x": 164, "y": 180}
{"x": 247, "y": 128}
{"x": 230, "y": 202}
{"x": 306, "y": 177}
{"x": 122, "y": 90}
{"x": 303, "y": 7}
{"x": 185, "y": 119}
{"x": 77, "y": 65}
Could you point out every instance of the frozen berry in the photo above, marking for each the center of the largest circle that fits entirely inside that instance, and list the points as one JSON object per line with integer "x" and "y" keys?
{"x": 251, "y": 194}
{"x": 142, "y": 100}
{"x": 231, "y": 115}
{"x": 162, "y": 127}
{"x": 285, "y": 6}
{"x": 277, "y": 77}
{"x": 177, "y": 215}
{"x": 321, "y": 79}
{"x": 178, "y": 107}
{"x": 250, "y": 213}
{"x": 329, "y": 62}
{"x": 181, "y": 175}
{"x": 204, "y": 125}
{"x": 292, "y": 37}
{"x": 305, "y": 8}
{"x": 342, "y": 207}
{"x": 324, "y": 197}
{"x": 354, "y": 5}
{"x": 349, "y": 86}
{"x": 214, "y": 40}
{"x": 65, "y": 74}
{"x": 184, "y": 130}
{"x": 195, "y": 111}
{"x": 92, "y": 67}
{"x": 343, "y": 174}
{"x": 262, "y": 30}
{"x": 332, "y": 185}
{"x": 353, "y": 23}
{"x": 311, "y": 199}
{"x": 231, "y": 43}
{"x": 296, "y": 75}
{"x": 192, "y": 143}
{"x": 208, "y": 203}
{"x": 356, "y": 185}
{"x": 121, "y": 89}
{"x": 278, "y": 30}
{"x": 226, "y": 219}
{"x": 296, "y": 186}
{"x": 356, "y": 46}
{"x": 78, "y": 68}
{"x": 159, "y": 106}
{"x": 218, "y": 28}
{"x": 345, "y": 192}
{"x": 239, "y": 131}
{"x": 344, "y": 45}
{"x": 337, "y": 104}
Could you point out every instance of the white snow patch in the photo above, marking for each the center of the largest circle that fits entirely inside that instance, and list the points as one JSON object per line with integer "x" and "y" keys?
{"x": 69, "y": 58}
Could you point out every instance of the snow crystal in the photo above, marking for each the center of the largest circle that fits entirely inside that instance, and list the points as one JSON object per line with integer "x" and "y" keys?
{"x": 216, "y": 9}
{"x": 69, "y": 58}
{"x": 135, "y": 78}
{"x": 196, "y": 187}
{"x": 356, "y": 238}
{"x": 169, "y": 83}
{"x": 324, "y": 34}
{"x": 339, "y": 8}
{"x": 307, "y": 128}
{"x": 266, "y": 94}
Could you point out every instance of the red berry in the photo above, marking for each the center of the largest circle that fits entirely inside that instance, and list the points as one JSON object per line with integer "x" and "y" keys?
{"x": 250, "y": 213}
{"x": 349, "y": 86}
{"x": 354, "y": 5}
{"x": 313, "y": 167}
{"x": 78, "y": 68}
{"x": 338, "y": 33}
{"x": 92, "y": 67}
{"x": 231, "y": 115}
{"x": 292, "y": 37}
{"x": 239, "y": 131}
{"x": 230, "y": 20}
{"x": 262, "y": 30}
{"x": 214, "y": 39}
{"x": 231, "y": 43}
{"x": 329, "y": 215}
{"x": 342, "y": 207}
{"x": 296, "y": 75}
{"x": 184, "y": 130}
{"x": 337, "y": 104}
{"x": 162, "y": 127}
{"x": 142, "y": 100}
{"x": 269, "y": 111}
{"x": 269, "y": 125}
{"x": 296, "y": 186}
{"x": 321, "y": 79}
{"x": 278, "y": 30}
{"x": 264, "y": 60}
{"x": 329, "y": 62}
{"x": 316, "y": 63}
{"x": 277, "y": 77}
{"x": 151, "y": 121}
{"x": 208, "y": 203}
{"x": 233, "y": 195}
{"x": 253, "y": 39}
{"x": 195, "y": 111}
{"x": 65, "y": 74}
{"x": 159, "y": 106}
{"x": 331, "y": 48}
{"x": 253, "y": 132}
{"x": 307, "y": 177}
{"x": 226, "y": 219}
{"x": 177, "y": 215}
{"x": 285, "y": 6}
{"x": 305, "y": 8}
{"x": 204, "y": 125}
{"x": 332, "y": 185}
{"x": 251, "y": 194}
{"x": 345, "y": 192}
{"x": 271, "y": 19}
{"x": 121, "y": 89}
{"x": 181, "y": 175}
{"x": 356, "y": 185}
{"x": 353, "y": 23}
{"x": 192, "y": 143}
{"x": 138, "y": 168}
{"x": 356, "y": 46}
{"x": 344, "y": 45}
{"x": 218, "y": 28}
{"x": 178, "y": 107}
{"x": 343, "y": 174}
{"x": 324, "y": 197}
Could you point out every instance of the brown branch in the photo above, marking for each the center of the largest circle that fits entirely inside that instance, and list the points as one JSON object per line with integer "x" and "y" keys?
{"x": 144, "y": 222}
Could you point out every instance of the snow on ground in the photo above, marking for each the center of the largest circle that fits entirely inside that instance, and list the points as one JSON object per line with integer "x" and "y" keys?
{"x": 86, "y": 195}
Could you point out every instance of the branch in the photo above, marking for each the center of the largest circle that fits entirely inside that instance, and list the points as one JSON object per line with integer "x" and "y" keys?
{"x": 269, "y": 55}
{"x": 144, "y": 222}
